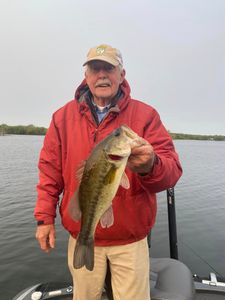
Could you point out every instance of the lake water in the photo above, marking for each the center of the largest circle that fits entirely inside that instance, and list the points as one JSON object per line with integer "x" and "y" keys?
{"x": 200, "y": 210}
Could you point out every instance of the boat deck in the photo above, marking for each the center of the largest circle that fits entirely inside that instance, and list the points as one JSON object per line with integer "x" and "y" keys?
{"x": 200, "y": 295}
{"x": 203, "y": 296}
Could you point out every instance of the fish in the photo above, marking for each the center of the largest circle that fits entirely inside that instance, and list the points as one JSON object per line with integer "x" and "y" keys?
{"x": 99, "y": 178}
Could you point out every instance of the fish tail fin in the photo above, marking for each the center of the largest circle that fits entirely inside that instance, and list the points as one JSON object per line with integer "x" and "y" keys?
{"x": 84, "y": 254}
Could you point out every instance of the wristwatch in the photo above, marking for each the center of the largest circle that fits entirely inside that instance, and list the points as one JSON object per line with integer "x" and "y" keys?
{"x": 40, "y": 223}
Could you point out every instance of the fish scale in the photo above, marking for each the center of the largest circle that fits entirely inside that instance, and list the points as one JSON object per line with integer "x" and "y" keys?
{"x": 93, "y": 204}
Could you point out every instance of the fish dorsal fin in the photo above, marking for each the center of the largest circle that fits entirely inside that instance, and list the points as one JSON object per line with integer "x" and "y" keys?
{"x": 74, "y": 207}
{"x": 125, "y": 183}
{"x": 80, "y": 170}
{"x": 107, "y": 218}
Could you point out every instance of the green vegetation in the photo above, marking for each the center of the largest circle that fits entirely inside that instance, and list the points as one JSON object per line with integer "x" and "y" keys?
{"x": 183, "y": 136}
{"x": 33, "y": 130}
{"x": 21, "y": 129}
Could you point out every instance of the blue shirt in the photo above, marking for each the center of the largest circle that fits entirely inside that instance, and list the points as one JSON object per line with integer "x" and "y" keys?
{"x": 101, "y": 112}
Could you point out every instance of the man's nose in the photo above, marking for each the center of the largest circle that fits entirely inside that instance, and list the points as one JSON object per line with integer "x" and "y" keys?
{"x": 102, "y": 73}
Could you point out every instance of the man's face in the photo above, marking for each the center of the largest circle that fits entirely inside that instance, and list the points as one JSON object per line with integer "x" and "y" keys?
{"x": 103, "y": 80}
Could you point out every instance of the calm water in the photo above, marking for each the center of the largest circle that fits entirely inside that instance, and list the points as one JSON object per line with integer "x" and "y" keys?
{"x": 200, "y": 209}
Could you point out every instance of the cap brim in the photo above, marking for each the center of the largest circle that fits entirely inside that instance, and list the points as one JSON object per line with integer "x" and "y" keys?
{"x": 103, "y": 58}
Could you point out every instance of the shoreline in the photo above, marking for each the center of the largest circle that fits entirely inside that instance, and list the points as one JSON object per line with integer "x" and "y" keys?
{"x": 34, "y": 130}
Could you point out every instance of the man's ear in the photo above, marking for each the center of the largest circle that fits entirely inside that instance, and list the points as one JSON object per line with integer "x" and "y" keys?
{"x": 123, "y": 73}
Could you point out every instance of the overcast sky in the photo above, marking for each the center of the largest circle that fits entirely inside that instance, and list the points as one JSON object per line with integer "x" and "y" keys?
{"x": 173, "y": 52}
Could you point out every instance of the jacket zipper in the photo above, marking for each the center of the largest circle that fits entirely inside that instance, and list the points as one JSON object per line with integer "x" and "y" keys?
{"x": 95, "y": 135}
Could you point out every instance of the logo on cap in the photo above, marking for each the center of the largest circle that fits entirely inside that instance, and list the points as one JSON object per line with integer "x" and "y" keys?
{"x": 100, "y": 50}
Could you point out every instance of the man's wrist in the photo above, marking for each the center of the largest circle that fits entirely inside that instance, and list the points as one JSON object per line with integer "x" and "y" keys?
{"x": 45, "y": 222}
{"x": 40, "y": 223}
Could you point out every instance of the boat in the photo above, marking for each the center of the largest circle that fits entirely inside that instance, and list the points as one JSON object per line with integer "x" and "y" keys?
{"x": 170, "y": 279}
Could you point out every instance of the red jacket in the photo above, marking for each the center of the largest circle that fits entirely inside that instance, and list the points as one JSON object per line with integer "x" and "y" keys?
{"x": 70, "y": 138}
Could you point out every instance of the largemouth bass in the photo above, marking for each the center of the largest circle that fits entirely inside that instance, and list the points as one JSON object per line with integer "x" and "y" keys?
{"x": 100, "y": 177}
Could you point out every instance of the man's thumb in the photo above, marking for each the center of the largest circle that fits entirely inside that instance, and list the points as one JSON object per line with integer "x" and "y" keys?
{"x": 52, "y": 239}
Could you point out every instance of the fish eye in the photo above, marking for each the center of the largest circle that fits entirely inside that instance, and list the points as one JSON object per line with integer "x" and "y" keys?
{"x": 117, "y": 132}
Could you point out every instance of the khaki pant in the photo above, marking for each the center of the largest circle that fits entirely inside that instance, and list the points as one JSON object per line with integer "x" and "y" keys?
{"x": 129, "y": 265}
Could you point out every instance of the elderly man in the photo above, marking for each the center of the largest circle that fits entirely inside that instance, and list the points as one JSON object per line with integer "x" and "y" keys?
{"x": 102, "y": 103}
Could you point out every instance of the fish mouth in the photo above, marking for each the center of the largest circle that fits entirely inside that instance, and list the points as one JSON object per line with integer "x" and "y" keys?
{"x": 115, "y": 157}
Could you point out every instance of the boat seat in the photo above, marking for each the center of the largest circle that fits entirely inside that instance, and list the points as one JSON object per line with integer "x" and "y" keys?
{"x": 171, "y": 280}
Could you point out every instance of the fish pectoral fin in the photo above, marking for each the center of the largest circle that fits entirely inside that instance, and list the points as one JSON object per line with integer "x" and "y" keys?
{"x": 125, "y": 183}
{"x": 74, "y": 207}
{"x": 107, "y": 218}
{"x": 80, "y": 170}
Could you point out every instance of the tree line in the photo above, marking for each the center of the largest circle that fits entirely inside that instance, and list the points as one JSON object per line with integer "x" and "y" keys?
{"x": 34, "y": 130}
{"x": 22, "y": 129}
{"x": 183, "y": 136}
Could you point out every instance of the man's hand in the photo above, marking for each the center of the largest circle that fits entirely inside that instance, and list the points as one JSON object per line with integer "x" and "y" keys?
{"x": 45, "y": 234}
{"x": 141, "y": 159}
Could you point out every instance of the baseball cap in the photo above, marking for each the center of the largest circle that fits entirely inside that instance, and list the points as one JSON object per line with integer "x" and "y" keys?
{"x": 105, "y": 53}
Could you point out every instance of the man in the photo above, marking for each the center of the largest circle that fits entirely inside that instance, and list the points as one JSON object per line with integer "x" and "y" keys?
{"x": 102, "y": 103}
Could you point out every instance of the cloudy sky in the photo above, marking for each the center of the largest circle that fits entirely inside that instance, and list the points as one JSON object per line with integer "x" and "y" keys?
{"x": 173, "y": 52}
